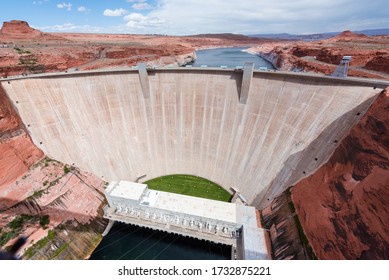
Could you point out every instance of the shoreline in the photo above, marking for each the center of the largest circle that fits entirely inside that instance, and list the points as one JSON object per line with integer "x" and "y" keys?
{"x": 244, "y": 48}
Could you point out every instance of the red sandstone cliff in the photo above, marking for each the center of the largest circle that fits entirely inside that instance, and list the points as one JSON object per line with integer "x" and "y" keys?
{"x": 369, "y": 55}
{"x": 379, "y": 63}
{"x": 344, "y": 206}
{"x": 17, "y": 152}
{"x": 20, "y": 30}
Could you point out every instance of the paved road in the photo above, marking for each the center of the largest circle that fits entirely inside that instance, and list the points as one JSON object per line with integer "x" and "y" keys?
{"x": 356, "y": 68}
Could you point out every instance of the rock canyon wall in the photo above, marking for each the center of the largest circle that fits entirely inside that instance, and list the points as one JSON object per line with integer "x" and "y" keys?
{"x": 17, "y": 152}
{"x": 369, "y": 55}
{"x": 344, "y": 207}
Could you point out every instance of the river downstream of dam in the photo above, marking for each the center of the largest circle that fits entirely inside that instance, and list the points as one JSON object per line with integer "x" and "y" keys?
{"x": 130, "y": 242}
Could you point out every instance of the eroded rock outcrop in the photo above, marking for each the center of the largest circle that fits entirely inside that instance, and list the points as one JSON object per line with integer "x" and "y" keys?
{"x": 286, "y": 236}
{"x": 18, "y": 29}
{"x": 70, "y": 199}
{"x": 17, "y": 152}
{"x": 21, "y": 30}
{"x": 379, "y": 63}
{"x": 369, "y": 55}
{"x": 344, "y": 206}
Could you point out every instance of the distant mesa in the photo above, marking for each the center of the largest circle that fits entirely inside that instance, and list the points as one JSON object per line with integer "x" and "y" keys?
{"x": 21, "y": 30}
{"x": 349, "y": 34}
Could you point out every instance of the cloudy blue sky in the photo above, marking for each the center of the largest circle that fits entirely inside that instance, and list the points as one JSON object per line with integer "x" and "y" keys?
{"x": 183, "y": 17}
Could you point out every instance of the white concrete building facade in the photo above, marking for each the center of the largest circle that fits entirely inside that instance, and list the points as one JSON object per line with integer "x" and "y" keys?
{"x": 217, "y": 221}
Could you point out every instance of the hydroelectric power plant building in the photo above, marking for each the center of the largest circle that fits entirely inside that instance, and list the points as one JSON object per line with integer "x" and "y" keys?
{"x": 222, "y": 222}
{"x": 258, "y": 131}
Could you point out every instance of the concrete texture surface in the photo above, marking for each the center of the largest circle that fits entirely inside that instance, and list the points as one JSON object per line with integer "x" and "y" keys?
{"x": 192, "y": 123}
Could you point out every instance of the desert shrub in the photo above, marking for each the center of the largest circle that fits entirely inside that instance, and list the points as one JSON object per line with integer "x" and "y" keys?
{"x": 16, "y": 223}
{"x": 44, "y": 221}
{"x": 66, "y": 169}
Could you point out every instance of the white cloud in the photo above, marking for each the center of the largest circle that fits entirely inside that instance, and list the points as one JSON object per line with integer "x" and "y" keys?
{"x": 141, "y": 6}
{"x": 67, "y": 6}
{"x": 71, "y": 27}
{"x": 177, "y": 17}
{"x": 134, "y": 16}
{"x": 40, "y": 2}
{"x": 139, "y": 21}
{"x": 82, "y": 9}
{"x": 253, "y": 16}
{"x": 115, "y": 13}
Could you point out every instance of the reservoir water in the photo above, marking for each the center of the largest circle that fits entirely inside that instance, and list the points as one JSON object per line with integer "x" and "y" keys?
{"x": 230, "y": 57}
{"x": 130, "y": 242}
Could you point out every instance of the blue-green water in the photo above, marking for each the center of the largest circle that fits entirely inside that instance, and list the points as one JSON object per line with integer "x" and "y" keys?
{"x": 230, "y": 57}
{"x": 130, "y": 242}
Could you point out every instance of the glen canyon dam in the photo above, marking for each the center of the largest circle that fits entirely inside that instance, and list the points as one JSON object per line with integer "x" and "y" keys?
{"x": 259, "y": 132}
{"x": 193, "y": 121}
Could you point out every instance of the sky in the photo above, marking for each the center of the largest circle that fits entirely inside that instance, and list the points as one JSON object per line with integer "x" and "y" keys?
{"x": 185, "y": 17}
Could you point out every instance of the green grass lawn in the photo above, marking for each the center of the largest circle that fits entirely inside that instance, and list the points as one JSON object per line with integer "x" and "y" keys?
{"x": 189, "y": 185}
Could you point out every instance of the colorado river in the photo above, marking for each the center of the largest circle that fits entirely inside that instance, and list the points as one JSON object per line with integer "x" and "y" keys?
{"x": 129, "y": 242}
{"x": 230, "y": 57}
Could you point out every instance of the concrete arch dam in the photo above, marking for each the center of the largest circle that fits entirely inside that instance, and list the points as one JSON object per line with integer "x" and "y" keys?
{"x": 191, "y": 122}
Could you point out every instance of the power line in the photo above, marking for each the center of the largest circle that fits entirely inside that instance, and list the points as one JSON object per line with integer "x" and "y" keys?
{"x": 137, "y": 245}
{"x": 152, "y": 245}
{"x": 117, "y": 239}
{"x": 166, "y": 247}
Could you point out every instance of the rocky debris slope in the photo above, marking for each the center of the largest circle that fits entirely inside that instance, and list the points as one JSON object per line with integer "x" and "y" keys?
{"x": 344, "y": 207}
{"x": 53, "y": 198}
{"x": 33, "y": 60}
{"x": 287, "y": 239}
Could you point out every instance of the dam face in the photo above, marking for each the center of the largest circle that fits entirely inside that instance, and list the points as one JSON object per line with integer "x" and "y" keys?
{"x": 192, "y": 123}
